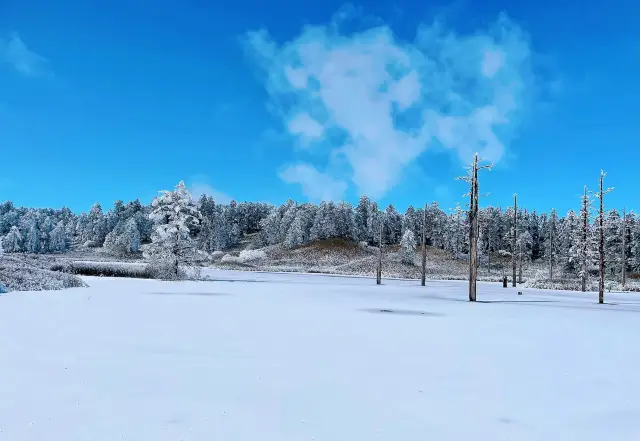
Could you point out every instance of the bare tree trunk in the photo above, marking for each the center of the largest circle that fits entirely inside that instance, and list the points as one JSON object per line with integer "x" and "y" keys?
{"x": 585, "y": 230}
{"x": 379, "y": 269}
{"x": 601, "y": 242}
{"x": 624, "y": 248}
{"x": 551, "y": 255}
{"x": 424, "y": 246}
{"x": 514, "y": 237}
{"x": 473, "y": 229}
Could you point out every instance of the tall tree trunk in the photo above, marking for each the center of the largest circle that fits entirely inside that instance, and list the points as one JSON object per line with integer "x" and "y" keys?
{"x": 379, "y": 269}
{"x": 551, "y": 255}
{"x": 424, "y": 246}
{"x": 473, "y": 229}
{"x": 624, "y": 248}
{"x": 585, "y": 231}
{"x": 601, "y": 242}
{"x": 514, "y": 237}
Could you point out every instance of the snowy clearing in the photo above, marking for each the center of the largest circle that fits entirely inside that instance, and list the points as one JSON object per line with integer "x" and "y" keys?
{"x": 255, "y": 356}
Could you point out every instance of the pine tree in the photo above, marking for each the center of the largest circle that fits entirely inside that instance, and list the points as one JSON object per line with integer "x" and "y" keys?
{"x": 581, "y": 250}
{"x": 361, "y": 219}
{"x": 408, "y": 247}
{"x": 13, "y": 241}
{"x": 270, "y": 227}
{"x": 58, "y": 238}
{"x": 174, "y": 214}
{"x": 296, "y": 234}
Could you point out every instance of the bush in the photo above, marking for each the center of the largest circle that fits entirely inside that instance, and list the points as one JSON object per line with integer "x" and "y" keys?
{"x": 228, "y": 258}
{"x": 251, "y": 255}
{"x": 217, "y": 255}
{"x": 105, "y": 269}
{"x": 21, "y": 275}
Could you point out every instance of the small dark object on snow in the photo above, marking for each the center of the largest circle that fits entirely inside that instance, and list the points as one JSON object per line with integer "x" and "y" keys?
{"x": 519, "y": 293}
{"x": 504, "y": 282}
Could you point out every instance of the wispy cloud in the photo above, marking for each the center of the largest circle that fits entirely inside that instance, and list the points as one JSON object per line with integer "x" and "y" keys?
{"x": 16, "y": 53}
{"x": 199, "y": 185}
{"x": 316, "y": 185}
{"x": 375, "y": 103}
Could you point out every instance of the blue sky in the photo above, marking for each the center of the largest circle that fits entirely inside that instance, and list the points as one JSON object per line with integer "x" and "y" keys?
{"x": 116, "y": 100}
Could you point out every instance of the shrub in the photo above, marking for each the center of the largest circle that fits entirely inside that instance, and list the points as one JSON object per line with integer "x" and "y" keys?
{"x": 105, "y": 269}
{"x": 251, "y": 255}
{"x": 21, "y": 275}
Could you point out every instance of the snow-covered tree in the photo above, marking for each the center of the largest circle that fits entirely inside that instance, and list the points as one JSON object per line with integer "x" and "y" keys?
{"x": 270, "y": 226}
{"x": 124, "y": 238}
{"x": 174, "y": 214}
{"x": 58, "y": 238}
{"x": 13, "y": 241}
{"x": 408, "y": 247}
{"x": 361, "y": 219}
{"x": 32, "y": 242}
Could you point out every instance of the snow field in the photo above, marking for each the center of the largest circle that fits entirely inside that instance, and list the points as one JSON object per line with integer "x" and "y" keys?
{"x": 271, "y": 357}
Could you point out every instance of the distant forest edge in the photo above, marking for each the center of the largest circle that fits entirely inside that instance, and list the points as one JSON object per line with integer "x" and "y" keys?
{"x": 127, "y": 228}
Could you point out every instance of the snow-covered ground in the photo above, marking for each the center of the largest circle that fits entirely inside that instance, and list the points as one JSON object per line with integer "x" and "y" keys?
{"x": 279, "y": 357}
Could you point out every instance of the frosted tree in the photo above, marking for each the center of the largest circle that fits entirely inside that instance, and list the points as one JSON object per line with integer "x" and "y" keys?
{"x": 58, "y": 238}
{"x": 270, "y": 226}
{"x": 13, "y": 241}
{"x": 551, "y": 243}
{"x": 613, "y": 240}
{"x": 635, "y": 246}
{"x": 361, "y": 219}
{"x": 581, "y": 251}
{"x": 96, "y": 226}
{"x": 345, "y": 221}
{"x": 324, "y": 225}
{"x": 296, "y": 234}
{"x": 408, "y": 247}
{"x": 372, "y": 233}
{"x": 288, "y": 215}
{"x": 393, "y": 226}
{"x": 32, "y": 241}
{"x": 174, "y": 214}
{"x": 124, "y": 238}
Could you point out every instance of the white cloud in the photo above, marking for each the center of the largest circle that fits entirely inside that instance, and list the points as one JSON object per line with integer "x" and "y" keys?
{"x": 375, "y": 103}
{"x": 199, "y": 188}
{"x": 303, "y": 125}
{"x": 15, "y": 52}
{"x": 492, "y": 62}
{"x": 315, "y": 184}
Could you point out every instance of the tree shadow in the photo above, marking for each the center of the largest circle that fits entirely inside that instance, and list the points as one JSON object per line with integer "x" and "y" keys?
{"x": 203, "y": 294}
{"x": 405, "y": 312}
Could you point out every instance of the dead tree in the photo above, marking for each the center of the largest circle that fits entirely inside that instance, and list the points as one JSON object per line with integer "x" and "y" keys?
{"x": 514, "y": 237}
{"x": 551, "y": 253}
{"x": 424, "y": 245}
{"x": 600, "y": 196}
{"x": 379, "y": 268}
{"x": 472, "y": 179}
{"x": 623, "y": 270}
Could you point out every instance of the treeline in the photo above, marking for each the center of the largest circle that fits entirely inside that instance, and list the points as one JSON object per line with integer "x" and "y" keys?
{"x": 125, "y": 228}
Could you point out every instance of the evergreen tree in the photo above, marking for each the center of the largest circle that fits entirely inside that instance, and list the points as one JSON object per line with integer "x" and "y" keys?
{"x": 361, "y": 219}
{"x": 58, "y": 238}
{"x": 408, "y": 247}
{"x": 174, "y": 214}
{"x": 13, "y": 241}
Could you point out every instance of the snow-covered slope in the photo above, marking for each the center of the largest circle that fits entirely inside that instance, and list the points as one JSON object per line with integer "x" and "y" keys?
{"x": 274, "y": 357}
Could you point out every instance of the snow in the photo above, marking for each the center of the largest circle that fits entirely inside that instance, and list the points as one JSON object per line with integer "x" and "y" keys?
{"x": 272, "y": 357}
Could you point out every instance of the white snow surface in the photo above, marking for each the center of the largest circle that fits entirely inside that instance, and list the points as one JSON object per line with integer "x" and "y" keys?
{"x": 284, "y": 357}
